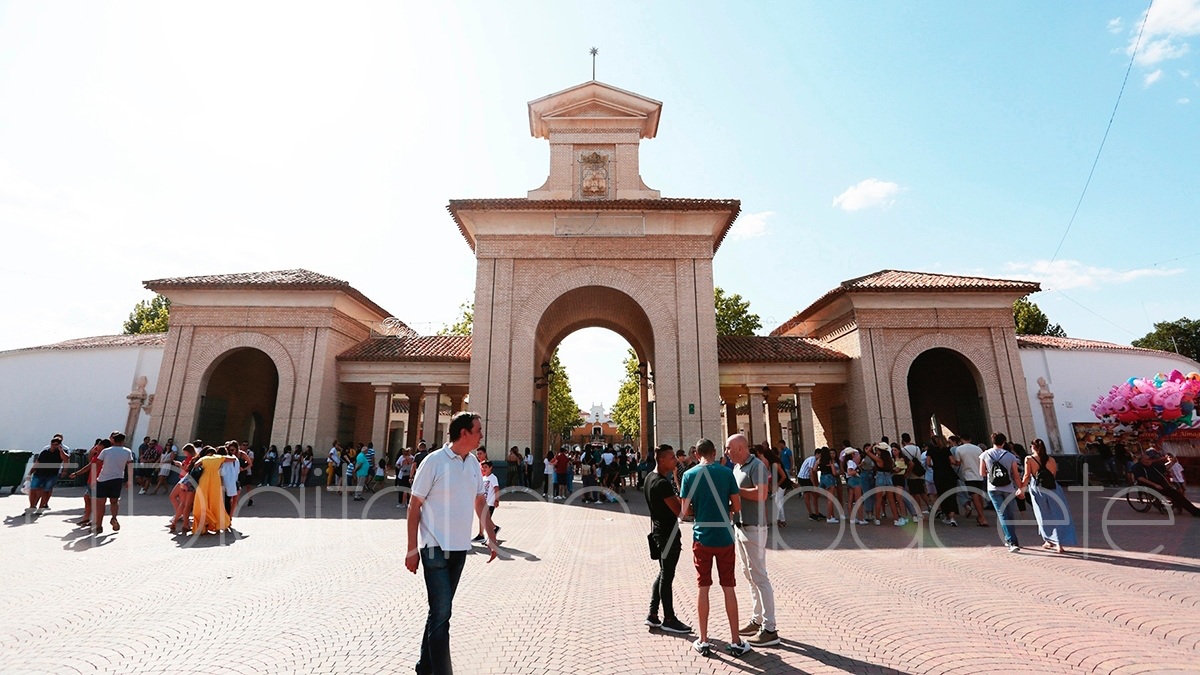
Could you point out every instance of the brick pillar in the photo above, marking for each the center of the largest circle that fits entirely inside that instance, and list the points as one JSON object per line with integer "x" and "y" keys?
{"x": 644, "y": 417}
{"x": 772, "y": 399}
{"x": 731, "y": 425}
{"x": 414, "y": 419}
{"x": 804, "y": 413}
{"x": 756, "y": 430}
{"x": 383, "y": 416}
{"x": 429, "y": 421}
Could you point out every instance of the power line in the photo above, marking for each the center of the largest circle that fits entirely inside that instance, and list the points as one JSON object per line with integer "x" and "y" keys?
{"x": 1095, "y": 314}
{"x": 1099, "y": 150}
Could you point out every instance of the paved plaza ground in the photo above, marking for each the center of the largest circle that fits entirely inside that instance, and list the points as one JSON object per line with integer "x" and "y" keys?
{"x": 328, "y": 593}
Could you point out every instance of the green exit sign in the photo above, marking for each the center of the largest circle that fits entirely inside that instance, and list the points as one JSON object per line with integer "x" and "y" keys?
{"x": 691, "y": 408}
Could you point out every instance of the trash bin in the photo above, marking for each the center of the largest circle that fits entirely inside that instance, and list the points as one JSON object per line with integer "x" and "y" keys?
{"x": 12, "y": 468}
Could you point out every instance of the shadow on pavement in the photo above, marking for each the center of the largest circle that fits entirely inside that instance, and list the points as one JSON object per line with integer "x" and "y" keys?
{"x": 829, "y": 658}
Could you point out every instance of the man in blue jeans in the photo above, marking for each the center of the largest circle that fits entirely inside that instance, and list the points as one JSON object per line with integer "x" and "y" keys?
{"x": 999, "y": 466}
{"x": 448, "y": 487}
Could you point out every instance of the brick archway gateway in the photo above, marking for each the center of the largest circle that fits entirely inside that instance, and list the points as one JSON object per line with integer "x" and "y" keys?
{"x": 594, "y": 246}
{"x": 588, "y": 307}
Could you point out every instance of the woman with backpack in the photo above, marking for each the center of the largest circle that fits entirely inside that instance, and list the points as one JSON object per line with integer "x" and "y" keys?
{"x": 1049, "y": 502}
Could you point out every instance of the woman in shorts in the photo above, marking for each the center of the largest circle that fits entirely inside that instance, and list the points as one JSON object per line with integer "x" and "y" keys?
{"x": 182, "y": 496}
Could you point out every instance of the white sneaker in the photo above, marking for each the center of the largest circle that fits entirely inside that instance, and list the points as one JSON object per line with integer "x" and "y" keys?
{"x": 901, "y": 522}
{"x": 142, "y": 491}
{"x": 861, "y": 522}
{"x": 831, "y": 520}
{"x": 876, "y": 521}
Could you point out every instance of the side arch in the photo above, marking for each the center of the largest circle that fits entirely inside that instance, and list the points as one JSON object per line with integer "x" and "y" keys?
{"x": 979, "y": 360}
{"x": 202, "y": 365}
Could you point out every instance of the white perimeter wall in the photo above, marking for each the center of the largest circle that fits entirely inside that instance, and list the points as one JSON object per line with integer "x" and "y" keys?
{"x": 79, "y": 393}
{"x": 1077, "y": 378}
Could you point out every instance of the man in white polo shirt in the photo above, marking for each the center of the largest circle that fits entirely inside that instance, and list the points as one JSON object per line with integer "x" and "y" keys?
{"x": 447, "y": 488}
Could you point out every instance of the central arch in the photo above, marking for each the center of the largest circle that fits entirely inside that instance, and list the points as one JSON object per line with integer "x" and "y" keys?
{"x": 238, "y": 398}
{"x": 592, "y": 307}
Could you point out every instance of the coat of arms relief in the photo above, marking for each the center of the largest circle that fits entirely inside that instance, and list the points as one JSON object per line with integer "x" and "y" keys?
{"x": 593, "y": 175}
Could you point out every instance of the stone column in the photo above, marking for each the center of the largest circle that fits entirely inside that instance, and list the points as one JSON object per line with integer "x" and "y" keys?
{"x": 430, "y": 420}
{"x": 1046, "y": 399}
{"x": 772, "y": 400}
{"x": 804, "y": 413}
{"x": 131, "y": 420}
{"x": 383, "y": 416}
{"x": 414, "y": 419}
{"x": 756, "y": 429}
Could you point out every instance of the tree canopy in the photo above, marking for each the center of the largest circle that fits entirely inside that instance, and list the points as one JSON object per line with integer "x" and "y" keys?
{"x": 733, "y": 315}
{"x": 466, "y": 320}
{"x": 1182, "y": 336}
{"x": 149, "y": 316}
{"x": 1031, "y": 320}
{"x": 562, "y": 411}
{"x": 627, "y": 412}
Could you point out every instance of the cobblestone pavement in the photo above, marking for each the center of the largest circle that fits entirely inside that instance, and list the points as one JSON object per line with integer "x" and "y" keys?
{"x": 327, "y": 594}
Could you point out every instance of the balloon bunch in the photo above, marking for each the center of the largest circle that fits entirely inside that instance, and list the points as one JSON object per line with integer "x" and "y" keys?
{"x": 1168, "y": 401}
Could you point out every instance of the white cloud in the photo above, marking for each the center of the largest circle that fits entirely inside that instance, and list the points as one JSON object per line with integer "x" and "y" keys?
{"x": 870, "y": 193}
{"x": 1114, "y": 25}
{"x": 750, "y": 225}
{"x": 1151, "y": 78}
{"x": 1169, "y": 22}
{"x": 1185, "y": 74}
{"x": 1184, "y": 101}
{"x": 1064, "y": 274}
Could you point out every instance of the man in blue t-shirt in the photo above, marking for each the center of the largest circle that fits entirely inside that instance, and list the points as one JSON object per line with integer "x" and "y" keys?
{"x": 711, "y": 492}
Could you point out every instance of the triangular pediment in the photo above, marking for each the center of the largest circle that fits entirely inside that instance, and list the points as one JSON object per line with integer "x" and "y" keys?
{"x": 595, "y": 108}
{"x": 595, "y": 101}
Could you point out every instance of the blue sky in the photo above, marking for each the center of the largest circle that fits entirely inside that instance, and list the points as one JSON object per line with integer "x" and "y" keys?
{"x": 144, "y": 140}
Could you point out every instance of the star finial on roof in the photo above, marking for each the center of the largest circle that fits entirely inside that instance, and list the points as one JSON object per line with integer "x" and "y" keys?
{"x": 593, "y": 51}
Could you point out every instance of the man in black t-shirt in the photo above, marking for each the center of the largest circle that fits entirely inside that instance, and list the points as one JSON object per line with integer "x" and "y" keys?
{"x": 664, "y": 505}
{"x": 1147, "y": 472}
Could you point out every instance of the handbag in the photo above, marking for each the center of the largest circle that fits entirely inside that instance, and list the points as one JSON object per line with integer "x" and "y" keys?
{"x": 195, "y": 472}
{"x": 655, "y": 551}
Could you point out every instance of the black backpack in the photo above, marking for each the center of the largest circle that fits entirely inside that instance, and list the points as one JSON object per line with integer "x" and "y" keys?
{"x": 998, "y": 474}
{"x": 1045, "y": 478}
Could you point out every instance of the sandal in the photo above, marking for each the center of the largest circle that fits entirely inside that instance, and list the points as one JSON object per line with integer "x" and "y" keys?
{"x": 115, "y": 525}
{"x": 1048, "y": 546}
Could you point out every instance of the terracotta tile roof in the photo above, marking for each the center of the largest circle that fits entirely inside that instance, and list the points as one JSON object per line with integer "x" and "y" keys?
{"x": 101, "y": 341}
{"x": 452, "y": 348}
{"x": 784, "y": 349}
{"x": 900, "y": 281}
{"x": 733, "y": 206}
{"x": 1078, "y": 344}
{"x": 292, "y": 280}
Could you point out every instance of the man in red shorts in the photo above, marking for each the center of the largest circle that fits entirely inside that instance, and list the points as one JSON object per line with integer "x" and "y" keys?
{"x": 711, "y": 491}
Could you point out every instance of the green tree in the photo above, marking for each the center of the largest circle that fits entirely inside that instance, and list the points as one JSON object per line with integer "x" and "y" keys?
{"x": 733, "y": 315}
{"x": 1182, "y": 336}
{"x": 149, "y": 316}
{"x": 627, "y": 412}
{"x": 562, "y": 411}
{"x": 466, "y": 320}
{"x": 1031, "y": 320}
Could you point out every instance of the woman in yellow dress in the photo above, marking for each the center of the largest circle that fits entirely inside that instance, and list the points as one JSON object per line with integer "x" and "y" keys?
{"x": 208, "y": 509}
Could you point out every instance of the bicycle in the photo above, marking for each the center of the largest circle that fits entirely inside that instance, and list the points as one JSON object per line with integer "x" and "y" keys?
{"x": 1142, "y": 499}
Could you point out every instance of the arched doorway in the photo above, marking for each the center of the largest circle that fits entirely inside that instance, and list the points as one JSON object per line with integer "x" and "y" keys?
{"x": 943, "y": 390}
{"x": 237, "y": 399}
{"x": 593, "y": 307}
